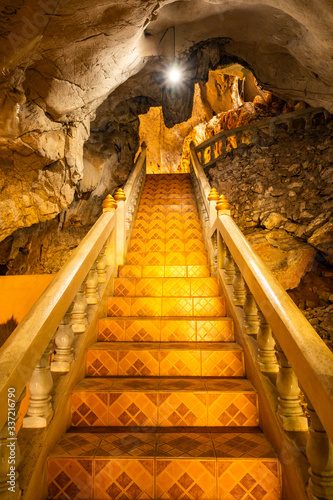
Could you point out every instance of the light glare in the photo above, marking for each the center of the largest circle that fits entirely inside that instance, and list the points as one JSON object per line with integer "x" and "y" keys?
{"x": 174, "y": 75}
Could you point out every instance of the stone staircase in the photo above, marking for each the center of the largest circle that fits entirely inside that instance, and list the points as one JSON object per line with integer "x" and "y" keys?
{"x": 165, "y": 410}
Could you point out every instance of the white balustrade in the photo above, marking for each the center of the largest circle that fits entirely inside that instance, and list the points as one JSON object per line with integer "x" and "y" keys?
{"x": 64, "y": 339}
{"x": 79, "y": 314}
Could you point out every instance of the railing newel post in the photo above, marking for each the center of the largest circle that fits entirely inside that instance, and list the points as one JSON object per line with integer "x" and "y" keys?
{"x": 319, "y": 452}
{"x": 289, "y": 409}
{"x": 64, "y": 339}
{"x": 40, "y": 409}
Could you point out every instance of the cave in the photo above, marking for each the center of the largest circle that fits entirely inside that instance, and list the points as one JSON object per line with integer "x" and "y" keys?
{"x": 92, "y": 91}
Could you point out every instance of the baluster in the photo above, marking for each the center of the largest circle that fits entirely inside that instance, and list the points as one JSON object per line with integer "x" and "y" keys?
{"x": 101, "y": 265}
{"x": 319, "y": 451}
{"x": 266, "y": 352}
{"x": 229, "y": 267}
{"x": 251, "y": 321}
{"x": 202, "y": 156}
{"x": 308, "y": 120}
{"x": 221, "y": 251}
{"x": 239, "y": 138}
{"x": 79, "y": 314}
{"x": 212, "y": 152}
{"x": 40, "y": 409}
{"x": 290, "y": 125}
{"x": 64, "y": 339}
{"x": 272, "y": 129}
{"x": 239, "y": 287}
{"x": 92, "y": 295}
{"x": 289, "y": 409}
{"x": 254, "y": 135}
{"x": 10, "y": 453}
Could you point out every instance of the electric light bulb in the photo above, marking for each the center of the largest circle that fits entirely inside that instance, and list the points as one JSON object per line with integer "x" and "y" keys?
{"x": 174, "y": 75}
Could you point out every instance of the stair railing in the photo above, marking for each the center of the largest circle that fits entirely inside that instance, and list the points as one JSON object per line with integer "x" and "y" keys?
{"x": 280, "y": 345}
{"x": 214, "y": 147}
{"x": 56, "y": 321}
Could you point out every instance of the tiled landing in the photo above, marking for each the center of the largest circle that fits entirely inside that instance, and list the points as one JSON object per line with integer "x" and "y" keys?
{"x": 167, "y": 465}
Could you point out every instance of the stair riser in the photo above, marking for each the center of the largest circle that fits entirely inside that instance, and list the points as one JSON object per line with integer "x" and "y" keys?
{"x": 156, "y": 330}
{"x": 165, "y": 478}
{"x": 164, "y": 271}
{"x": 164, "y": 409}
{"x": 166, "y": 306}
{"x": 167, "y": 258}
{"x": 166, "y": 287}
{"x": 170, "y": 234}
{"x": 102, "y": 362}
{"x": 167, "y": 225}
{"x": 163, "y": 245}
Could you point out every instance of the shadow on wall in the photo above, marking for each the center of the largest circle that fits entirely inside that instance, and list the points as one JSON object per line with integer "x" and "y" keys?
{"x": 6, "y": 329}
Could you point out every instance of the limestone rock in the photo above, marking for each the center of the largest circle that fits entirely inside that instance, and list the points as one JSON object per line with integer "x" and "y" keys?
{"x": 287, "y": 258}
{"x": 322, "y": 239}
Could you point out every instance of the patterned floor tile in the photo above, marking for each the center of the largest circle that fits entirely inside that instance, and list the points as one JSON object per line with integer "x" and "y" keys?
{"x": 130, "y": 271}
{"x": 152, "y": 271}
{"x": 119, "y": 306}
{"x": 179, "y": 287}
{"x": 137, "y": 259}
{"x": 127, "y": 444}
{"x": 148, "y": 287}
{"x": 190, "y": 479}
{"x": 138, "y": 363}
{"x": 180, "y": 363}
{"x": 175, "y": 259}
{"x": 102, "y": 363}
{"x": 133, "y": 409}
{"x": 121, "y": 478}
{"x": 70, "y": 478}
{"x": 204, "y": 287}
{"x": 124, "y": 287}
{"x": 89, "y": 408}
{"x": 175, "y": 271}
{"x": 177, "y": 306}
{"x": 146, "y": 306}
{"x": 215, "y": 330}
{"x": 237, "y": 445}
{"x": 182, "y": 384}
{"x": 209, "y": 306}
{"x": 198, "y": 271}
{"x": 76, "y": 445}
{"x": 174, "y": 245}
{"x": 178, "y": 330}
{"x": 154, "y": 246}
{"x": 137, "y": 245}
{"x": 254, "y": 479}
{"x": 230, "y": 409}
{"x": 222, "y": 364}
{"x": 110, "y": 330}
{"x": 181, "y": 444}
{"x": 182, "y": 409}
{"x": 194, "y": 245}
{"x": 143, "y": 330}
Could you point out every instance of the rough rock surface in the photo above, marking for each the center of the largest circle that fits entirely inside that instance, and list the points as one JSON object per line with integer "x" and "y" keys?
{"x": 284, "y": 183}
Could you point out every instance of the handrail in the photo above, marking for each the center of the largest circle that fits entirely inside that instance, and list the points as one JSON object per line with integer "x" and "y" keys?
{"x": 23, "y": 349}
{"x": 309, "y": 356}
{"x": 268, "y": 323}
{"x": 307, "y": 113}
{"x": 132, "y": 179}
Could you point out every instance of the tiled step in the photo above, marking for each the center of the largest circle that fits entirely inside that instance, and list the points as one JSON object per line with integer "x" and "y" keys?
{"x": 166, "y": 330}
{"x": 166, "y": 216}
{"x": 169, "y": 465}
{"x": 164, "y": 271}
{"x": 163, "y": 194}
{"x": 164, "y": 402}
{"x": 164, "y": 245}
{"x": 167, "y": 258}
{"x": 166, "y": 306}
{"x": 165, "y": 226}
{"x": 165, "y": 359}
{"x": 170, "y": 234}
{"x": 166, "y": 287}
{"x": 168, "y": 209}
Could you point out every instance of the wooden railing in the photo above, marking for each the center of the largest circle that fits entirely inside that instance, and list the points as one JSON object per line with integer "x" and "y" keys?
{"x": 57, "y": 320}
{"x": 279, "y": 343}
{"x": 214, "y": 147}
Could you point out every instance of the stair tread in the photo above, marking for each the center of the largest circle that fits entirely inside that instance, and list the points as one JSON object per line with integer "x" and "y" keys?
{"x": 164, "y": 384}
{"x": 205, "y": 442}
{"x": 203, "y": 346}
{"x": 167, "y": 318}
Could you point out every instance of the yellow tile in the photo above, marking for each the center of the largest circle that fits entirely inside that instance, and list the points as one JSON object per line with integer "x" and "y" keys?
{"x": 179, "y": 363}
{"x": 208, "y": 306}
{"x": 132, "y": 408}
{"x": 153, "y": 271}
{"x": 175, "y": 271}
{"x": 154, "y": 259}
{"x": 176, "y": 287}
{"x": 137, "y": 245}
{"x": 130, "y": 271}
{"x": 215, "y": 331}
{"x": 182, "y": 409}
{"x": 148, "y": 287}
{"x": 155, "y": 245}
{"x": 221, "y": 363}
{"x": 232, "y": 409}
{"x": 138, "y": 363}
{"x": 196, "y": 258}
{"x": 175, "y": 259}
{"x": 136, "y": 258}
{"x": 175, "y": 245}
{"x": 142, "y": 330}
{"x": 204, "y": 287}
{"x": 124, "y": 287}
{"x": 178, "y": 330}
{"x": 177, "y": 306}
{"x": 119, "y": 306}
{"x": 146, "y": 306}
{"x": 111, "y": 330}
{"x": 198, "y": 271}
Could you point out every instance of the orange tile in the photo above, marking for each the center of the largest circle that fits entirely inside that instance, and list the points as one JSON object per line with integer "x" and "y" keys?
{"x": 190, "y": 234}
{"x": 182, "y": 409}
{"x": 255, "y": 479}
{"x": 148, "y": 287}
{"x": 179, "y": 363}
{"x": 141, "y": 224}
{"x": 175, "y": 259}
{"x": 204, "y": 287}
{"x": 157, "y": 224}
{"x": 124, "y": 287}
{"x": 215, "y": 331}
{"x": 137, "y": 245}
{"x": 198, "y": 271}
{"x": 175, "y": 271}
{"x": 192, "y": 224}
{"x": 111, "y": 330}
{"x": 138, "y": 363}
{"x": 175, "y": 245}
{"x": 119, "y": 306}
{"x": 196, "y": 258}
{"x": 209, "y": 306}
{"x": 221, "y": 363}
{"x": 155, "y": 245}
{"x": 133, "y": 409}
{"x": 146, "y": 306}
{"x": 143, "y": 330}
{"x": 235, "y": 409}
{"x": 176, "y": 287}
{"x": 190, "y": 479}
{"x": 101, "y": 362}
{"x": 178, "y": 330}
{"x": 194, "y": 245}
{"x": 154, "y": 259}
{"x": 130, "y": 271}
{"x": 124, "y": 478}
{"x": 153, "y": 271}
{"x": 155, "y": 234}
{"x": 136, "y": 258}
{"x": 171, "y": 234}
{"x": 70, "y": 478}
{"x": 178, "y": 306}
{"x": 89, "y": 408}
{"x": 174, "y": 224}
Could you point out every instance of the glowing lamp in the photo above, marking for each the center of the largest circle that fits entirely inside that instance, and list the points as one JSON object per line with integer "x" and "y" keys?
{"x": 174, "y": 75}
